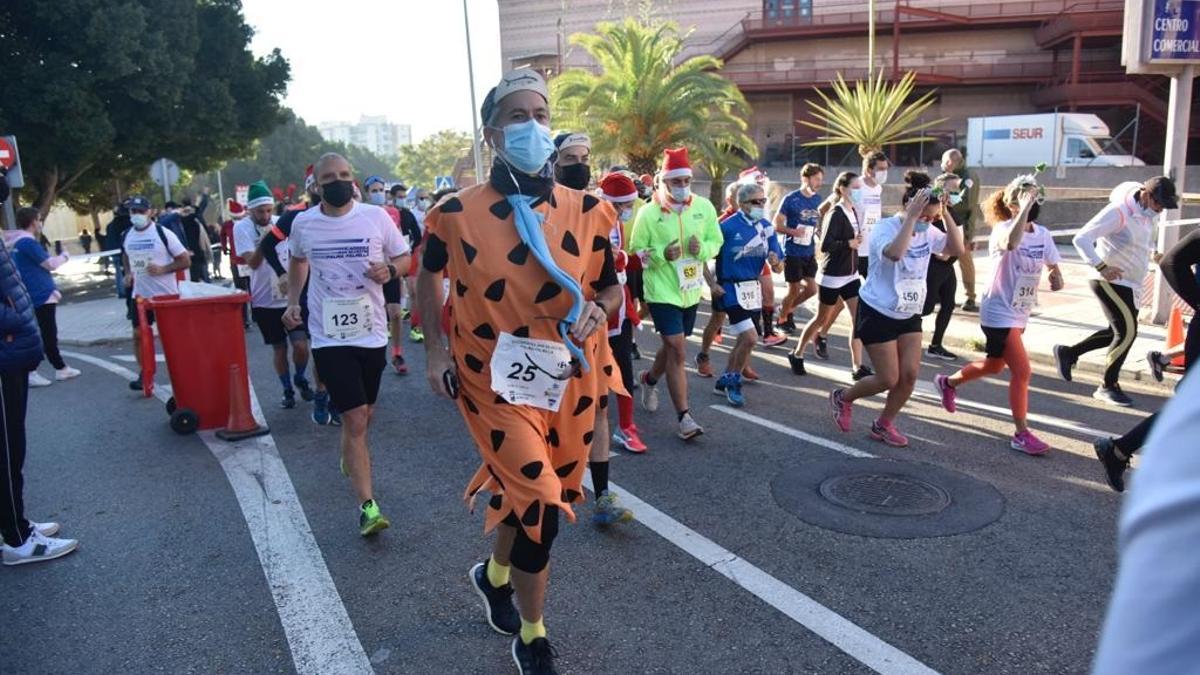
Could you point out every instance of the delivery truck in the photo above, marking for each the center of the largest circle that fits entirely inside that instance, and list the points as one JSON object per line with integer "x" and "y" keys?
{"x": 1058, "y": 139}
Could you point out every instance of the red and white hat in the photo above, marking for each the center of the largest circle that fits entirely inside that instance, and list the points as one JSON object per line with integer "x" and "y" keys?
{"x": 308, "y": 177}
{"x": 676, "y": 163}
{"x": 618, "y": 188}
{"x": 752, "y": 175}
{"x": 234, "y": 206}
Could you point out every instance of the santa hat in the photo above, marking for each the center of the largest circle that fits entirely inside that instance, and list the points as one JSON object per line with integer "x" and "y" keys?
{"x": 308, "y": 177}
{"x": 259, "y": 195}
{"x": 752, "y": 175}
{"x": 617, "y": 187}
{"x": 234, "y": 206}
{"x": 676, "y": 163}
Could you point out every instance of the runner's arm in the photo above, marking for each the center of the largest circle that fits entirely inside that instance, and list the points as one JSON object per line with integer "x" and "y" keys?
{"x": 1177, "y": 266}
{"x": 1102, "y": 224}
{"x": 267, "y": 248}
{"x": 782, "y": 228}
{"x": 711, "y": 239}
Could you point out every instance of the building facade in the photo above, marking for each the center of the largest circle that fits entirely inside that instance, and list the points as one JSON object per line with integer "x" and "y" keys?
{"x": 980, "y": 58}
{"x": 374, "y": 133}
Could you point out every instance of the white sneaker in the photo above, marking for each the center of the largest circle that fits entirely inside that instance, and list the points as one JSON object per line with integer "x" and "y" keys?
{"x": 36, "y": 380}
{"x": 46, "y": 529}
{"x": 66, "y": 373}
{"x": 688, "y": 428}
{"x": 649, "y": 393}
{"x": 38, "y": 548}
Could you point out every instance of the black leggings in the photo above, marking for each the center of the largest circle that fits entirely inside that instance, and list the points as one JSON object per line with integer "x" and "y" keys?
{"x": 1121, "y": 310}
{"x": 621, "y": 345}
{"x": 941, "y": 285}
{"x": 14, "y": 391}
{"x": 1135, "y": 438}
{"x": 48, "y": 325}
{"x": 527, "y": 555}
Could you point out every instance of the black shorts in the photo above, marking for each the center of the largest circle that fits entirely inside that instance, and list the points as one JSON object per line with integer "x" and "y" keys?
{"x": 633, "y": 280}
{"x": 270, "y": 323}
{"x": 995, "y": 341}
{"x": 862, "y": 266}
{"x": 797, "y": 268}
{"x": 738, "y": 314}
{"x": 391, "y": 292}
{"x": 829, "y": 296}
{"x": 874, "y": 328}
{"x": 131, "y": 312}
{"x": 671, "y": 320}
{"x": 351, "y": 375}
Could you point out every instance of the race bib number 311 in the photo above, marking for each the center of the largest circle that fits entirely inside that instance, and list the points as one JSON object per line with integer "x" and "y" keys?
{"x": 530, "y": 372}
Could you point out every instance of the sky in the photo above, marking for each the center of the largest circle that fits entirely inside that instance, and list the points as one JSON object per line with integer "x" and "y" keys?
{"x": 406, "y": 59}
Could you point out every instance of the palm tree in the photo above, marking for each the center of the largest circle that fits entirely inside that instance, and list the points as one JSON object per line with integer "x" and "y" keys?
{"x": 871, "y": 115}
{"x": 639, "y": 101}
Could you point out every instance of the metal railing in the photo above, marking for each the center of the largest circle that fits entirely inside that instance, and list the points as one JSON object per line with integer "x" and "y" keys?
{"x": 1033, "y": 10}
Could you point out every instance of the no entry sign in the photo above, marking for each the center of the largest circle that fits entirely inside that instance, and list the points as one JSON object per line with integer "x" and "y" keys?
{"x": 10, "y": 159}
{"x": 8, "y": 154}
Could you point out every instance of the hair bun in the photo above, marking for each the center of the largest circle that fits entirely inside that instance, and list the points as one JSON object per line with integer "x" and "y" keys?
{"x": 917, "y": 179}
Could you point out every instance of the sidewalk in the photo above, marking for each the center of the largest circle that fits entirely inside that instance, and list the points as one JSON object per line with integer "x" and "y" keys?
{"x": 93, "y": 322}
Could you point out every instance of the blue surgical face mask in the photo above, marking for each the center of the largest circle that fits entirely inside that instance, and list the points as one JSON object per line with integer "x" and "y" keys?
{"x": 527, "y": 146}
{"x": 139, "y": 220}
{"x": 955, "y": 198}
{"x": 756, "y": 213}
{"x": 681, "y": 194}
{"x": 377, "y": 198}
{"x": 921, "y": 226}
{"x": 856, "y": 195}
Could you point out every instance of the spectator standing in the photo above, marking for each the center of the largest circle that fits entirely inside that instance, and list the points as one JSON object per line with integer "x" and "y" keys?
{"x": 35, "y": 266}
{"x": 85, "y": 241}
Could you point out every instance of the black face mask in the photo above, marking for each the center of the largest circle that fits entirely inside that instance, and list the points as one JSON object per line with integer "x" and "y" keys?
{"x": 337, "y": 193}
{"x": 575, "y": 176}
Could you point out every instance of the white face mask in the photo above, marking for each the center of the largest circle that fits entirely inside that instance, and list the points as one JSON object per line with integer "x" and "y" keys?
{"x": 398, "y": 202}
{"x": 139, "y": 220}
{"x": 425, "y": 203}
{"x": 881, "y": 177}
{"x": 377, "y": 198}
{"x": 756, "y": 213}
{"x": 681, "y": 194}
{"x": 625, "y": 215}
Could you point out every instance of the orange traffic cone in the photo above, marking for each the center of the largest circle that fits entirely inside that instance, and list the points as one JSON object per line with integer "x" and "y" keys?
{"x": 241, "y": 422}
{"x": 1175, "y": 334}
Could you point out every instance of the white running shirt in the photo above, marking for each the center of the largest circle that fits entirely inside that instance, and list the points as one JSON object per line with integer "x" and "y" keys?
{"x": 885, "y": 276}
{"x": 872, "y": 207}
{"x": 145, "y": 247}
{"x": 1013, "y": 269}
{"x": 264, "y": 284}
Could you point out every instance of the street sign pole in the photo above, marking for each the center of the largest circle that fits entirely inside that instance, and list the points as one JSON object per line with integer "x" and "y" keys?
{"x": 220, "y": 194}
{"x": 1175, "y": 166}
{"x": 166, "y": 181}
{"x": 474, "y": 108}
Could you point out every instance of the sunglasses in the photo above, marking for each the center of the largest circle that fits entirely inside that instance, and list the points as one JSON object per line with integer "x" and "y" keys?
{"x": 757, "y": 202}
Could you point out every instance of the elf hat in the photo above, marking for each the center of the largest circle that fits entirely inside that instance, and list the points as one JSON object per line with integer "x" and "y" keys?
{"x": 259, "y": 195}
{"x": 676, "y": 163}
{"x": 618, "y": 188}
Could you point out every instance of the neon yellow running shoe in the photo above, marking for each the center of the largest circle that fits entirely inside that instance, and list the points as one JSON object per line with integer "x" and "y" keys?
{"x": 371, "y": 520}
{"x": 345, "y": 469}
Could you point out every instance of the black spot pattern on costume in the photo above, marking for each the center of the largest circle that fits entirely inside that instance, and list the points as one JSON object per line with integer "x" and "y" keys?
{"x": 451, "y": 205}
{"x": 533, "y": 514}
{"x": 571, "y": 495}
{"x": 603, "y": 402}
{"x": 608, "y": 369}
{"x": 470, "y": 405}
{"x": 469, "y": 251}
{"x": 552, "y": 437}
{"x": 532, "y": 470}
{"x": 473, "y": 363}
{"x": 569, "y": 244}
{"x": 434, "y": 258}
{"x": 598, "y": 285}
{"x": 484, "y": 331}
{"x": 598, "y": 243}
{"x": 499, "y": 401}
{"x": 495, "y": 292}
{"x": 587, "y": 438}
{"x": 589, "y": 203}
{"x": 501, "y": 209}
{"x": 519, "y": 254}
{"x": 496, "y": 502}
{"x": 584, "y": 403}
{"x": 460, "y": 288}
{"x": 522, "y": 332}
{"x": 497, "y": 439}
{"x": 566, "y": 469}
{"x": 548, "y": 291}
{"x": 495, "y": 477}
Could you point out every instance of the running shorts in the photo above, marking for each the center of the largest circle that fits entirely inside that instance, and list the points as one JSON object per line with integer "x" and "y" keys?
{"x": 874, "y": 328}
{"x": 351, "y": 374}
{"x": 797, "y": 268}
{"x": 270, "y": 323}
{"x": 829, "y": 296}
{"x": 671, "y": 320}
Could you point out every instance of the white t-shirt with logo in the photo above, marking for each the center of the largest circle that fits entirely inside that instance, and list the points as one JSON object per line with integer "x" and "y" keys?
{"x": 145, "y": 247}
{"x": 1012, "y": 292}
{"x": 887, "y": 278}
{"x": 264, "y": 283}
{"x": 345, "y": 308}
{"x": 872, "y": 210}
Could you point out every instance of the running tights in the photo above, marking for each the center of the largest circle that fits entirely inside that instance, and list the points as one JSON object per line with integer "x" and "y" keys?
{"x": 1121, "y": 310}
{"x": 942, "y": 285}
{"x": 14, "y": 391}
{"x": 48, "y": 325}
{"x": 622, "y": 349}
{"x": 528, "y": 555}
{"x": 1017, "y": 360}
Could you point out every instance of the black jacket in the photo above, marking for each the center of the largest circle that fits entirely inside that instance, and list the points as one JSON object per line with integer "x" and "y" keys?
{"x": 20, "y": 341}
{"x": 837, "y": 258}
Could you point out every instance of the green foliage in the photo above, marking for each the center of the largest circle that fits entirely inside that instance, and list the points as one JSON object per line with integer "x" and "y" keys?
{"x": 437, "y": 155}
{"x": 873, "y": 114}
{"x": 641, "y": 102}
{"x": 96, "y": 90}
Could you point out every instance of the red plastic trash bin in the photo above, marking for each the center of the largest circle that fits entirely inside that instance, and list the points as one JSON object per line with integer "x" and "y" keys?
{"x": 202, "y": 339}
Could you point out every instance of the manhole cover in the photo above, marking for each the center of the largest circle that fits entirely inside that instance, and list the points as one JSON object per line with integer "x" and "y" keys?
{"x": 886, "y": 493}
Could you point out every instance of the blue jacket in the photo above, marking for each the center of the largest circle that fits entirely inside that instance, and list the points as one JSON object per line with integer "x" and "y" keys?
{"x": 28, "y": 255}
{"x": 743, "y": 252}
{"x": 20, "y": 341}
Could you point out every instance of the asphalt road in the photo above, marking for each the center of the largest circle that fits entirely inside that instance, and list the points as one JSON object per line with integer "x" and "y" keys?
{"x": 171, "y": 578}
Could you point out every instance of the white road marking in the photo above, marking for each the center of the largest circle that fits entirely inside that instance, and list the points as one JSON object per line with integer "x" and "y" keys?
{"x": 130, "y": 358}
{"x": 318, "y": 629}
{"x": 794, "y": 433}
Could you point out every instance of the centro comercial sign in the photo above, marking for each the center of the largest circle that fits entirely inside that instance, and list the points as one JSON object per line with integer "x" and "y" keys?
{"x": 1174, "y": 31}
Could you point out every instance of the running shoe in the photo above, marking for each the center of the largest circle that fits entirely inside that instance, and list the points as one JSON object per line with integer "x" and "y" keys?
{"x": 370, "y": 520}
{"x": 970, "y": 306}
{"x": 608, "y": 512}
{"x": 1114, "y": 466}
{"x": 36, "y": 380}
{"x": 289, "y": 399}
{"x": 405, "y": 314}
{"x": 416, "y": 335}
{"x": 1064, "y": 362}
{"x": 721, "y": 384}
{"x": 1029, "y": 444}
{"x": 320, "y": 413}
{"x": 688, "y": 428}
{"x": 773, "y": 340}
{"x": 649, "y": 392}
{"x": 535, "y": 658}
{"x": 498, "y": 605}
{"x": 703, "y": 365}
{"x": 398, "y": 365}
{"x": 863, "y": 371}
{"x": 822, "y": 348}
{"x": 136, "y": 385}
{"x": 46, "y": 529}
{"x": 842, "y": 410}
{"x": 939, "y": 352}
{"x": 1112, "y": 396}
{"x": 306, "y": 392}
{"x": 67, "y": 372}
{"x": 787, "y": 325}
{"x": 797, "y": 364}
{"x": 948, "y": 393}
{"x": 1155, "y": 359}
{"x": 630, "y": 439}
{"x": 335, "y": 417}
{"x": 750, "y": 375}
{"x": 733, "y": 393}
{"x": 37, "y": 548}
{"x": 888, "y": 433}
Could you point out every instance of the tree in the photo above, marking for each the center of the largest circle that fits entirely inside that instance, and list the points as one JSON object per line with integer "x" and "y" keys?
{"x": 434, "y": 156}
{"x": 641, "y": 102}
{"x": 98, "y": 89}
{"x": 874, "y": 114}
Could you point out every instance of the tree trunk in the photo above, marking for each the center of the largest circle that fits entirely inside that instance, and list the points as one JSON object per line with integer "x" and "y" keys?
{"x": 716, "y": 193}
{"x": 48, "y": 192}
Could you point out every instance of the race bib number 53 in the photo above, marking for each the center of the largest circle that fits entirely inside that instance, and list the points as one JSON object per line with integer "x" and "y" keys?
{"x": 691, "y": 276}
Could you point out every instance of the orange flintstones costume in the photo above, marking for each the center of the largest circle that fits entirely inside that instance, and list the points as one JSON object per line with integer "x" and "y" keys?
{"x": 532, "y": 458}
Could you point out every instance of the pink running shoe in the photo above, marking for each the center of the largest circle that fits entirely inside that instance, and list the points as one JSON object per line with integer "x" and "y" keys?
{"x": 887, "y": 432}
{"x": 1029, "y": 444}
{"x": 841, "y": 410}
{"x": 949, "y": 395}
{"x": 632, "y": 440}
